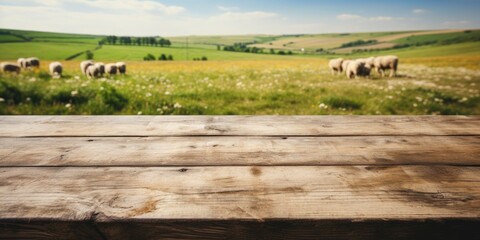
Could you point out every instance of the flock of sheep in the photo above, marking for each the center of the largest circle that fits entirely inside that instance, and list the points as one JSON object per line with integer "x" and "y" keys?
{"x": 362, "y": 67}
{"x": 93, "y": 70}
{"x": 88, "y": 68}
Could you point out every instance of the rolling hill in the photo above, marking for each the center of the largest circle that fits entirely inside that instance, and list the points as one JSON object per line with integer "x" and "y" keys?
{"x": 62, "y": 46}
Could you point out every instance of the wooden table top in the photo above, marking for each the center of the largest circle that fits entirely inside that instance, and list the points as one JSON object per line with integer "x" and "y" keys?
{"x": 110, "y": 177}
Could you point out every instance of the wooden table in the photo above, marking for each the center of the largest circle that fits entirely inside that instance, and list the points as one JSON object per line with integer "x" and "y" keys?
{"x": 239, "y": 177}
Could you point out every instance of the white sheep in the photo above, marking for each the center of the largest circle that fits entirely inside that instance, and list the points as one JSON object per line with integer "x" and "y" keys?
{"x": 93, "y": 71}
{"x": 22, "y": 62}
{"x": 7, "y": 67}
{"x": 335, "y": 65}
{"x": 55, "y": 69}
{"x": 121, "y": 67}
{"x": 345, "y": 64}
{"x": 386, "y": 62}
{"x": 111, "y": 68}
{"x": 32, "y": 62}
{"x": 101, "y": 68}
{"x": 84, "y": 65}
{"x": 357, "y": 69}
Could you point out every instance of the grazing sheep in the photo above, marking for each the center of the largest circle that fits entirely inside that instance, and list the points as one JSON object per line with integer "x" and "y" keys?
{"x": 121, "y": 67}
{"x": 55, "y": 69}
{"x": 345, "y": 64}
{"x": 84, "y": 65}
{"x": 336, "y": 65}
{"x": 93, "y": 71}
{"x": 7, "y": 67}
{"x": 111, "y": 68}
{"x": 101, "y": 67}
{"x": 22, "y": 62}
{"x": 386, "y": 62}
{"x": 32, "y": 62}
{"x": 357, "y": 69}
{"x": 370, "y": 62}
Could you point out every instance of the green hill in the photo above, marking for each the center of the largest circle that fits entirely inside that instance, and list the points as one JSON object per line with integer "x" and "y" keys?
{"x": 62, "y": 46}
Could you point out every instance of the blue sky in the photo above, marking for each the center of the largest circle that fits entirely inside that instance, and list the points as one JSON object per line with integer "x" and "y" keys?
{"x": 215, "y": 17}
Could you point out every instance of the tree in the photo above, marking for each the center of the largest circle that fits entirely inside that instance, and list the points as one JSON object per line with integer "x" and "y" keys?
{"x": 89, "y": 55}
{"x": 162, "y": 57}
{"x": 204, "y": 58}
{"x": 219, "y": 48}
{"x": 149, "y": 57}
{"x": 170, "y": 57}
{"x": 272, "y": 51}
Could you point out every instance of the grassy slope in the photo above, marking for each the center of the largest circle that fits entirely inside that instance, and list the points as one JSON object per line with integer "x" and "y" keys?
{"x": 43, "y": 50}
{"x": 58, "y": 46}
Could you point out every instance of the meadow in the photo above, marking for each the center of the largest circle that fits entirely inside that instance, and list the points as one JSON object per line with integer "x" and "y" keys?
{"x": 286, "y": 87}
{"x": 432, "y": 79}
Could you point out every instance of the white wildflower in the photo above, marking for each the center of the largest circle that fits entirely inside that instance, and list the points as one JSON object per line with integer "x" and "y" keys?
{"x": 177, "y": 105}
{"x": 167, "y": 93}
{"x": 148, "y": 95}
{"x": 139, "y": 113}
{"x": 68, "y": 105}
{"x": 323, "y": 106}
{"x": 2, "y": 99}
{"x": 463, "y": 100}
{"x": 415, "y": 105}
{"x": 77, "y": 77}
{"x": 74, "y": 93}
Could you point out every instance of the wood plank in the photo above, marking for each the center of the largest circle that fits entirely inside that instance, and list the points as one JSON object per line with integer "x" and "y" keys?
{"x": 249, "y": 193}
{"x": 240, "y": 151}
{"x": 30, "y": 126}
{"x": 203, "y": 229}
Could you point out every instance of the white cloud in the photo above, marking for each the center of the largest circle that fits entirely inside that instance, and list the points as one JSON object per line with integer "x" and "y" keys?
{"x": 418, "y": 11}
{"x": 456, "y": 23}
{"x": 244, "y": 15}
{"x": 227, "y": 9}
{"x": 348, "y": 17}
{"x": 132, "y": 5}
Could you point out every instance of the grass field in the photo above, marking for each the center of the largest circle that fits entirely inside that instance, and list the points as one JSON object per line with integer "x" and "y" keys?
{"x": 433, "y": 78}
{"x": 243, "y": 87}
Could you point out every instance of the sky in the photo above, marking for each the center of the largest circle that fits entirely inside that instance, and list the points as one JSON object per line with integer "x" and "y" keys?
{"x": 229, "y": 17}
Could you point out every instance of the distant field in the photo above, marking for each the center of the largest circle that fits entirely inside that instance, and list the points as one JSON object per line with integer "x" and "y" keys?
{"x": 43, "y": 50}
{"x": 59, "y": 46}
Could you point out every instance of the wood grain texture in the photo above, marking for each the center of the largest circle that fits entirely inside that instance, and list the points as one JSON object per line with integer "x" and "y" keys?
{"x": 89, "y": 126}
{"x": 235, "y": 229}
{"x": 249, "y": 193}
{"x": 239, "y": 177}
{"x": 240, "y": 151}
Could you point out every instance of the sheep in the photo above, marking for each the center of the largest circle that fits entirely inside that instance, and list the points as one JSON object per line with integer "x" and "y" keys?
{"x": 55, "y": 69}
{"x": 22, "y": 62}
{"x": 7, "y": 67}
{"x": 357, "y": 68}
{"x": 370, "y": 62}
{"x": 111, "y": 68}
{"x": 84, "y": 65}
{"x": 336, "y": 65}
{"x": 121, "y": 67}
{"x": 345, "y": 64}
{"x": 93, "y": 71}
{"x": 101, "y": 67}
{"x": 32, "y": 62}
{"x": 386, "y": 62}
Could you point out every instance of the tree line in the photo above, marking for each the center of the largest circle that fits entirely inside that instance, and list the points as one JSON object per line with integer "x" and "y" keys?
{"x": 243, "y": 47}
{"x": 139, "y": 41}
